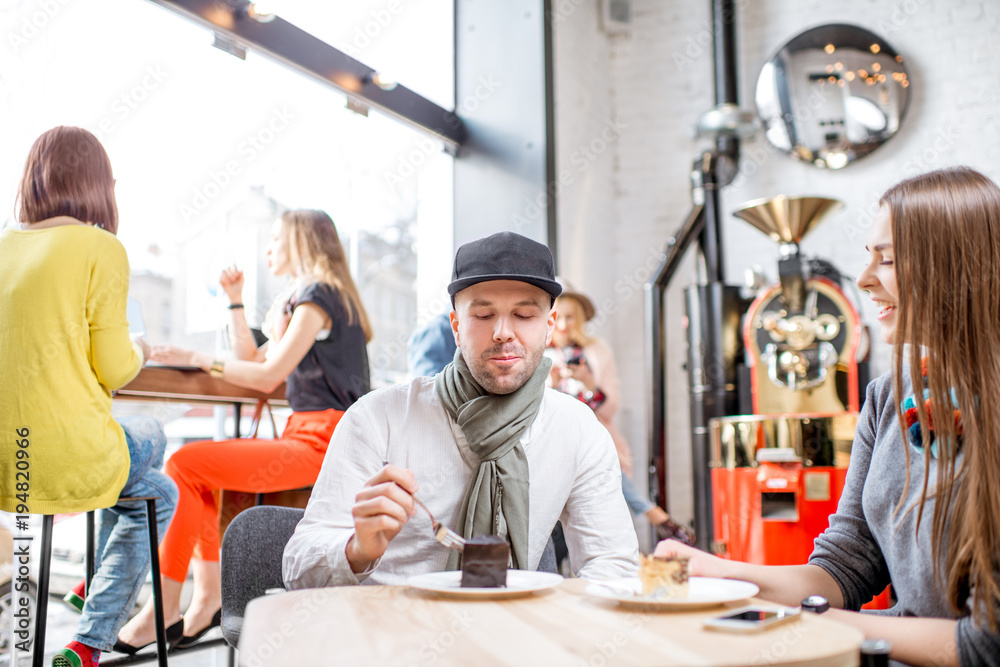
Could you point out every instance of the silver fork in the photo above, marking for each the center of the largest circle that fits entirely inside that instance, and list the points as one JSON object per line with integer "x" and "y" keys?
{"x": 442, "y": 533}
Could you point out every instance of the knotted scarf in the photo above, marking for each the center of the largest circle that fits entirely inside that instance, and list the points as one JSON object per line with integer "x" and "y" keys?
{"x": 496, "y": 500}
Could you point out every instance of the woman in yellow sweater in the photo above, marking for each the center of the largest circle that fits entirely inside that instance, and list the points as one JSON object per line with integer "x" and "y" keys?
{"x": 64, "y": 347}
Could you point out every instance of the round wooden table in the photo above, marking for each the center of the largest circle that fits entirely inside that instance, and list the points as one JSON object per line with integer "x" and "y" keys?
{"x": 397, "y": 625}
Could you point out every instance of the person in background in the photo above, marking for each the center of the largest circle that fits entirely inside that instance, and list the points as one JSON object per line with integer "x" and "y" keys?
{"x": 488, "y": 448}
{"x": 921, "y": 502}
{"x": 64, "y": 348}
{"x": 318, "y": 340}
{"x": 583, "y": 366}
{"x": 431, "y": 347}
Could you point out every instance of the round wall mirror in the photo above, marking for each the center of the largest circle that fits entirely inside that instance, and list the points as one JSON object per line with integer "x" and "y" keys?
{"x": 832, "y": 94}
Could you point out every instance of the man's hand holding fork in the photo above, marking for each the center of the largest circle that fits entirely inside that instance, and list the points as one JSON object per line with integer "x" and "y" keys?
{"x": 381, "y": 509}
{"x": 378, "y": 507}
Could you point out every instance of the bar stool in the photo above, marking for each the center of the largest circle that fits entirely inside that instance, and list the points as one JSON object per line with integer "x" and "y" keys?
{"x": 44, "y": 570}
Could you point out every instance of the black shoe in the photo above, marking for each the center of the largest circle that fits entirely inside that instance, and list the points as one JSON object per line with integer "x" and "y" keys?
{"x": 188, "y": 642}
{"x": 668, "y": 530}
{"x": 174, "y": 634}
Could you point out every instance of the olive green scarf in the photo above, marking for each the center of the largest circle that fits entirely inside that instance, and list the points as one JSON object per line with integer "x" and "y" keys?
{"x": 496, "y": 501}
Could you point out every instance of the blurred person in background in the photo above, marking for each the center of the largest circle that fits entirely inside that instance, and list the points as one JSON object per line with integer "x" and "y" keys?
{"x": 583, "y": 366}
{"x": 431, "y": 347}
{"x": 318, "y": 334}
{"x": 64, "y": 347}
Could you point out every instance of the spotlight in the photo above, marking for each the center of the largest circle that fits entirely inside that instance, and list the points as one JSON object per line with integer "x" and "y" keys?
{"x": 381, "y": 81}
{"x": 261, "y": 12}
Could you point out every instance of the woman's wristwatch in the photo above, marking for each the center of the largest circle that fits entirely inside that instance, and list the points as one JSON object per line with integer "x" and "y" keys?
{"x": 816, "y": 604}
{"x": 218, "y": 368}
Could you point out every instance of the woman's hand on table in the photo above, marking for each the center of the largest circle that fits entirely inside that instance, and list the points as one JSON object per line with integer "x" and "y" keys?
{"x": 231, "y": 281}
{"x": 147, "y": 351}
{"x": 381, "y": 509}
{"x": 178, "y": 356}
{"x": 702, "y": 563}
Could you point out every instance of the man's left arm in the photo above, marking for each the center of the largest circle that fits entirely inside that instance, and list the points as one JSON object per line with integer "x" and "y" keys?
{"x": 597, "y": 523}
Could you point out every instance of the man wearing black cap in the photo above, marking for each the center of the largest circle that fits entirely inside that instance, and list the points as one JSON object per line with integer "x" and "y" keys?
{"x": 482, "y": 444}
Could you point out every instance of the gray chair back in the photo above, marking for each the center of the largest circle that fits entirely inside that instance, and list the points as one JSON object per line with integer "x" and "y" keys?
{"x": 252, "y": 550}
{"x": 548, "y": 560}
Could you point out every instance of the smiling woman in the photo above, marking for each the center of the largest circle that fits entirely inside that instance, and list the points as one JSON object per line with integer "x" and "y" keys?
{"x": 946, "y": 232}
{"x": 921, "y": 500}
{"x": 879, "y": 276}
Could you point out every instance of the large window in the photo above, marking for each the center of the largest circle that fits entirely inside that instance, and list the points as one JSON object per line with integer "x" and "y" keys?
{"x": 412, "y": 40}
{"x": 207, "y": 149}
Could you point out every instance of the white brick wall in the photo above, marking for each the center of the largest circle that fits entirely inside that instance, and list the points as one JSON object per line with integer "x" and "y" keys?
{"x": 655, "y": 80}
{"x": 586, "y": 160}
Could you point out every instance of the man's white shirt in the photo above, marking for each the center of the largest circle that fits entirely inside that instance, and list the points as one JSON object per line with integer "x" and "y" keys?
{"x": 574, "y": 477}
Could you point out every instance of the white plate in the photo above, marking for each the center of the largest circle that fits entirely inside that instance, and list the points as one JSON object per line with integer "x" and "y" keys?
{"x": 703, "y": 592}
{"x": 519, "y": 583}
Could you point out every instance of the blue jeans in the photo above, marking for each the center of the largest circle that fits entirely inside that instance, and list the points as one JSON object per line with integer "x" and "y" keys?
{"x": 122, "y": 558}
{"x": 637, "y": 502}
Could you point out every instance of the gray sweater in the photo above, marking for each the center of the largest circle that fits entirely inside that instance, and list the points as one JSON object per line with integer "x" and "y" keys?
{"x": 866, "y": 546}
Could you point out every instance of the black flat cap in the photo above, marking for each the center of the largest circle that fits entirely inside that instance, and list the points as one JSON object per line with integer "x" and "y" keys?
{"x": 504, "y": 256}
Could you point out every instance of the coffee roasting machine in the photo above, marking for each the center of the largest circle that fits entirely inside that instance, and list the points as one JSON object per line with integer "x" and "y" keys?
{"x": 775, "y": 374}
{"x": 777, "y": 469}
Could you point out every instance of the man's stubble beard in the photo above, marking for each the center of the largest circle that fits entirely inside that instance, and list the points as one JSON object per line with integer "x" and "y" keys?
{"x": 502, "y": 384}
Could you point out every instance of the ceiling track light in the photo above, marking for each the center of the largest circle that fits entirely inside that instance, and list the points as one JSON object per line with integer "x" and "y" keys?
{"x": 381, "y": 81}
{"x": 261, "y": 12}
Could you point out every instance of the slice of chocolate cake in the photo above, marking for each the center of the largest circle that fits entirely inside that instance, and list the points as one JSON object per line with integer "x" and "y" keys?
{"x": 484, "y": 562}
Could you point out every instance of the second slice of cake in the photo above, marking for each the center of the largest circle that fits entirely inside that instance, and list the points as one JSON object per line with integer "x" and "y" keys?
{"x": 664, "y": 577}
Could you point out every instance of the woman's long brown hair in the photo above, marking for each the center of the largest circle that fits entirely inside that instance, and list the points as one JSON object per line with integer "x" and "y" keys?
{"x": 946, "y": 238}
{"x": 68, "y": 173}
{"x": 315, "y": 251}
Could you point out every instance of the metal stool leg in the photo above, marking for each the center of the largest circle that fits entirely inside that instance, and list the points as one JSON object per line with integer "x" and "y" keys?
{"x": 154, "y": 558}
{"x": 44, "y": 569}
{"x": 42, "y": 604}
{"x": 91, "y": 556}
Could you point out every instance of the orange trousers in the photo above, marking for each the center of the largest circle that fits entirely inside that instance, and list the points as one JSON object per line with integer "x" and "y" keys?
{"x": 251, "y": 465}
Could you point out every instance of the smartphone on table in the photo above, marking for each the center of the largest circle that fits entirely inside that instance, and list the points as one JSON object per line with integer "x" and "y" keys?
{"x": 752, "y": 619}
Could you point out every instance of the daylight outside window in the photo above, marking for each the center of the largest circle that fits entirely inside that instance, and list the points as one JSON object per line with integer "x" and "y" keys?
{"x": 209, "y": 149}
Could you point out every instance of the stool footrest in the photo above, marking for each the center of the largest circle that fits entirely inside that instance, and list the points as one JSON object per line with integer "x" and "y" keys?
{"x": 140, "y": 658}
